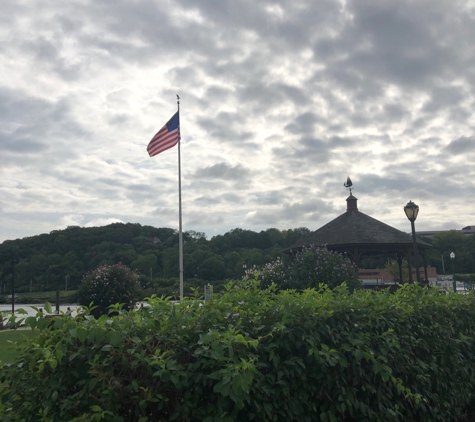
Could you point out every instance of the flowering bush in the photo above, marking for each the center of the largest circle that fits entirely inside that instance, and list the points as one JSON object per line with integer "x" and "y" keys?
{"x": 308, "y": 268}
{"x": 107, "y": 285}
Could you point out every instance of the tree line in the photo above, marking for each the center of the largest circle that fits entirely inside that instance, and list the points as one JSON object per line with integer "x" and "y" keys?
{"x": 61, "y": 258}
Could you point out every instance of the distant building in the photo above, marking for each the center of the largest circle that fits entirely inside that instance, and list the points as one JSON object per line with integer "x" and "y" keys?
{"x": 375, "y": 276}
{"x": 378, "y": 276}
{"x": 447, "y": 283}
{"x": 467, "y": 231}
{"x": 154, "y": 240}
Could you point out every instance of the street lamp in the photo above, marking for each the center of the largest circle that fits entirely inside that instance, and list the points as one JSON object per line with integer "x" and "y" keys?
{"x": 452, "y": 256}
{"x": 412, "y": 210}
{"x": 244, "y": 266}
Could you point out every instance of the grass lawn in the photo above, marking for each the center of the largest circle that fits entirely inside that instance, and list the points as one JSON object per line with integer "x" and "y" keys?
{"x": 51, "y": 293}
{"x": 42, "y": 297}
{"x": 8, "y": 340}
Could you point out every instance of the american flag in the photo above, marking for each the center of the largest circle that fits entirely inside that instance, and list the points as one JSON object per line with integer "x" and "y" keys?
{"x": 166, "y": 138}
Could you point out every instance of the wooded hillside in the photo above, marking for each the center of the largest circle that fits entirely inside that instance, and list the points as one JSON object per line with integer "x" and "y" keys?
{"x": 63, "y": 256}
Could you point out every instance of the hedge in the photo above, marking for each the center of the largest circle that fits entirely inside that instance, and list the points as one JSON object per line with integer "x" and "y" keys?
{"x": 253, "y": 355}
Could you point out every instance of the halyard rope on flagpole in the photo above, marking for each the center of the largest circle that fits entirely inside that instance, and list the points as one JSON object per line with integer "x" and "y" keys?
{"x": 180, "y": 231}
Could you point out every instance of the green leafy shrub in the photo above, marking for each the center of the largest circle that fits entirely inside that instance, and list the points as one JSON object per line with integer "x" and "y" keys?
{"x": 309, "y": 268}
{"x": 107, "y": 285}
{"x": 253, "y": 355}
{"x": 71, "y": 297}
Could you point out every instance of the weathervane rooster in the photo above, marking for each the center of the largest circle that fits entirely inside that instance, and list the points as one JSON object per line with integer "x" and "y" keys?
{"x": 348, "y": 184}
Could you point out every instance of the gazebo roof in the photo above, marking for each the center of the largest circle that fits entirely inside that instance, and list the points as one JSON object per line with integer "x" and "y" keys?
{"x": 356, "y": 228}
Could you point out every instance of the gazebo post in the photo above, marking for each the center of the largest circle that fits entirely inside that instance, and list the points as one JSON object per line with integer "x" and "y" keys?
{"x": 357, "y": 257}
{"x": 409, "y": 264}
{"x": 424, "y": 257}
{"x": 399, "y": 264}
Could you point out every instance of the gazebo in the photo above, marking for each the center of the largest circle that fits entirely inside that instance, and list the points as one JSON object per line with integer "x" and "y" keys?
{"x": 361, "y": 236}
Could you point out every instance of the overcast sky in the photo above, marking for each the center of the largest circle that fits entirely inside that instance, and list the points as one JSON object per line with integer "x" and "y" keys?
{"x": 280, "y": 102}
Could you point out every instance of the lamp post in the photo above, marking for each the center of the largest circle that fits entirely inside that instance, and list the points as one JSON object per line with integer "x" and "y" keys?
{"x": 412, "y": 210}
{"x": 452, "y": 257}
{"x": 244, "y": 266}
{"x": 14, "y": 257}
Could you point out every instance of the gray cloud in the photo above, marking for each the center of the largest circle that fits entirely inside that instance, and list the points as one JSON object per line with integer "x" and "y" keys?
{"x": 279, "y": 103}
{"x": 303, "y": 124}
{"x": 462, "y": 145}
{"x": 207, "y": 201}
{"x": 310, "y": 210}
{"x": 222, "y": 171}
{"x": 226, "y": 127}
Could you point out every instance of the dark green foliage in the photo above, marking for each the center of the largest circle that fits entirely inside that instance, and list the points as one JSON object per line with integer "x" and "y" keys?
{"x": 8, "y": 341}
{"x": 213, "y": 268}
{"x": 50, "y": 261}
{"x": 253, "y": 355}
{"x": 107, "y": 285}
{"x": 453, "y": 241}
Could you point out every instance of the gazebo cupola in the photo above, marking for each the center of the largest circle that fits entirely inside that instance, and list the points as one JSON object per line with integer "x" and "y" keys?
{"x": 351, "y": 203}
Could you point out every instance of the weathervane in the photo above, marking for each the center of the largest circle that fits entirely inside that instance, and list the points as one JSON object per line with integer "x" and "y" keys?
{"x": 348, "y": 184}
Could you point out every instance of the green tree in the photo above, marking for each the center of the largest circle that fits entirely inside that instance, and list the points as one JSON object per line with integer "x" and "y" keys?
{"x": 22, "y": 275}
{"x": 170, "y": 262}
{"x": 234, "y": 265}
{"x": 144, "y": 263}
{"x": 38, "y": 264}
{"x": 213, "y": 268}
{"x": 451, "y": 241}
{"x": 125, "y": 254}
{"x": 54, "y": 259}
{"x": 275, "y": 237}
{"x": 292, "y": 235}
{"x": 253, "y": 257}
{"x": 393, "y": 269}
{"x": 55, "y": 275}
{"x": 107, "y": 285}
{"x": 193, "y": 263}
{"x": 195, "y": 236}
{"x": 219, "y": 244}
{"x": 75, "y": 267}
{"x": 463, "y": 248}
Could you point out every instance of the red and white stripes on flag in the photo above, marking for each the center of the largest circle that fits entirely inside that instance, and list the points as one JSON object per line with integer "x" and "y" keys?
{"x": 166, "y": 138}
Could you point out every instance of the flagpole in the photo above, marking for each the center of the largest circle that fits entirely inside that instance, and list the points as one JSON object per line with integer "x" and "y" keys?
{"x": 180, "y": 231}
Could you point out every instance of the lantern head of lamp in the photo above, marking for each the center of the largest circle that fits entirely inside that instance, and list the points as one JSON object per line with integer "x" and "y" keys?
{"x": 452, "y": 255}
{"x": 411, "y": 211}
